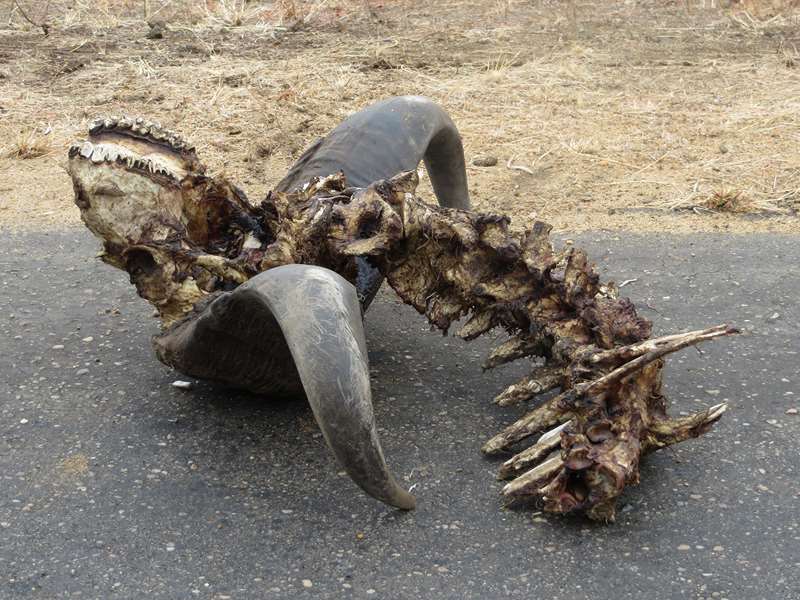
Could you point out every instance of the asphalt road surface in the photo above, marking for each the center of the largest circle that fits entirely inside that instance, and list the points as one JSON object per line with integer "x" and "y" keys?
{"x": 114, "y": 484}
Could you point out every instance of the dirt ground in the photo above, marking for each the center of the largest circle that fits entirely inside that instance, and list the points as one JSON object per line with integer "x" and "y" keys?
{"x": 635, "y": 115}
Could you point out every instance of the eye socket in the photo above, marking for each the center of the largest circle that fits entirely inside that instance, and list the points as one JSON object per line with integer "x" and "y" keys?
{"x": 140, "y": 262}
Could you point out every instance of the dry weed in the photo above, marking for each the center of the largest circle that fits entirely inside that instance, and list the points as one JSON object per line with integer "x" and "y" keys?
{"x": 28, "y": 145}
{"x": 721, "y": 200}
{"x": 233, "y": 13}
{"x": 729, "y": 200}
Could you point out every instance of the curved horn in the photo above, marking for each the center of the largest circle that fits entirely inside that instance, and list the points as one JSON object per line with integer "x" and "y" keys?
{"x": 378, "y": 142}
{"x": 387, "y": 138}
{"x": 317, "y": 312}
{"x": 320, "y": 317}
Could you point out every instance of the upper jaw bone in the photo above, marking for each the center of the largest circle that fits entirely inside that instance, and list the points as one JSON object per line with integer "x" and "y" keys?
{"x": 110, "y": 152}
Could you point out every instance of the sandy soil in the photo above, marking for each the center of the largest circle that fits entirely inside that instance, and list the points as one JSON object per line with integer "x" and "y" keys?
{"x": 619, "y": 115}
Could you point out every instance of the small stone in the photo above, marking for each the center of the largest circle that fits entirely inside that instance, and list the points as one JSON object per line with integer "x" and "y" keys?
{"x": 58, "y": 347}
{"x": 684, "y": 547}
{"x": 484, "y": 161}
{"x": 5, "y": 524}
{"x": 774, "y": 316}
{"x": 23, "y": 421}
{"x": 791, "y": 411}
{"x": 156, "y": 31}
{"x": 182, "y": 385}
{"x": 718, "y": 548}
{"x": 307, "y": 583}
{"x": 81, "y": 371}
{"x": 88, "y": 339}
{"x": 170, "y": 547}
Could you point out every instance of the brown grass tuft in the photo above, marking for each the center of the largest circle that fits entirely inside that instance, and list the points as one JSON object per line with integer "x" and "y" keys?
{"x": 28, "y": 145}
{"x": 729, "y": 200}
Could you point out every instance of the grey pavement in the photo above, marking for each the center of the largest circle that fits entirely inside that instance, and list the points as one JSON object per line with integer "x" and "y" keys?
{"x": 114, "y": 484}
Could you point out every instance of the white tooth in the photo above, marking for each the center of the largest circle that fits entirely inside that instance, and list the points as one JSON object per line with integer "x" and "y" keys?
{"x": 108, "y": 123}
{"x": 86, "y": 149}
{"x": 98, "y": 155}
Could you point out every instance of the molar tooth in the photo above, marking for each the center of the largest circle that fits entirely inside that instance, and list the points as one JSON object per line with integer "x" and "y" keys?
{"x": 108, "y": 123}
{"x": 86, "y": 149}
{"x": 124, "y": 123}
{"x": 95, "y": 126}
{"x": 98, "y": 155}
{"x": 139, "y": 120}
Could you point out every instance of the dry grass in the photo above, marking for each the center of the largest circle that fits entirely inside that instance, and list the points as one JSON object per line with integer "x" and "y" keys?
{"x": 724, "y": 200}
{"x": 233, "y": 13}
{"x": 32, "y": 144}
{"x": 593, "y": 113}
{"x": 71, "y": 14}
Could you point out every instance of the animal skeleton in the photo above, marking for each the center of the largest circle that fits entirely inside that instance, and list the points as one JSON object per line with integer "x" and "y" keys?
{"x": 269, "y": 297}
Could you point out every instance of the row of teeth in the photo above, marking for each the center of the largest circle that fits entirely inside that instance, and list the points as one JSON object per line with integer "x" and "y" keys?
{"x": 141, "y": 127}
{"x": 99, "y": 153}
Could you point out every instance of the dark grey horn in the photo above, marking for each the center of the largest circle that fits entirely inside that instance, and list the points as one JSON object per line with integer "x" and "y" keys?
{"x": 384, "y": 139}
{"x": 387, "y": 138}
{"x": 316, "y": 313}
